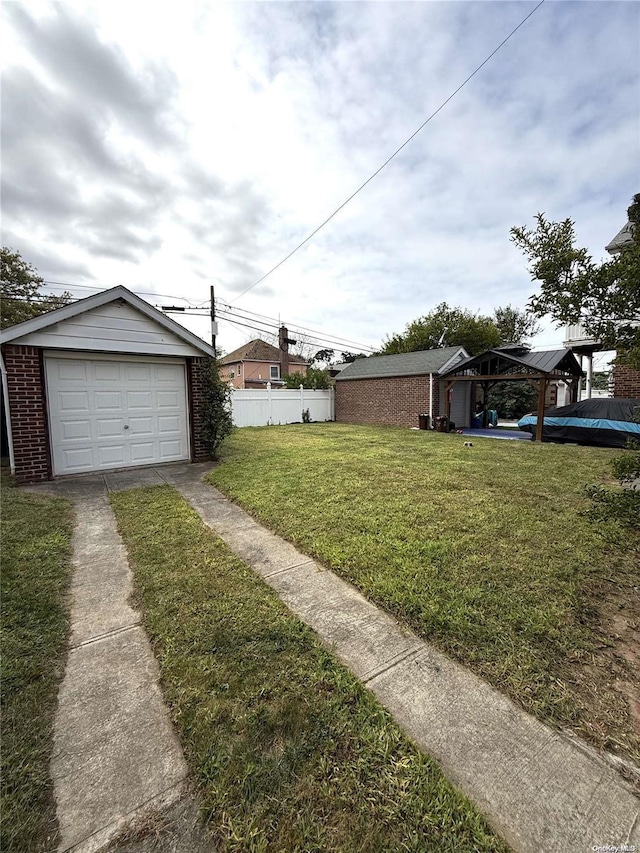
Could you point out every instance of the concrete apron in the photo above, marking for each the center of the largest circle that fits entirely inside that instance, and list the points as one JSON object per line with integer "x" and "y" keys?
{"x": 116, "y": 756}
{"x": 541, "y": 790}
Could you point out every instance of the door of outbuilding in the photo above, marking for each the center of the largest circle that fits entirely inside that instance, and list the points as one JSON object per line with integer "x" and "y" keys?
{"x": 109, "y": 413}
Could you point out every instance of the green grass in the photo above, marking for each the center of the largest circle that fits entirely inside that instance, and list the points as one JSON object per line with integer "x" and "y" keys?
{"x": 288, "y": 751}
{"x": 483, "y": 550}
{"x": 36, "y": 570}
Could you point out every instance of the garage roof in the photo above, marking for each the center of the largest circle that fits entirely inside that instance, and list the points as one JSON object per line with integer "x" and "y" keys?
{"x": 36, "y": 324}
{"x": 403, "y": 364}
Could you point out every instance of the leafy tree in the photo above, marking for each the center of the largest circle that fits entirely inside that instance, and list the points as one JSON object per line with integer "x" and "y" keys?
{"x": 216, "y": 409}
{"x": 446, "y": 326}
{"x": 323, "y": 356}
{"x": 512, "y": 399}
{"x": 600, "y": 380}
{"x": 515, "y": 326}
{"x": 315, "y": 379}
{"x": 20, "y": 296}
{"x": 348, "y": 357}
{"x": 604, "y": 297}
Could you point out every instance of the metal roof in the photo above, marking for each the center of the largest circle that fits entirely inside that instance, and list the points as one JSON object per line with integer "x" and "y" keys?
{"x": 403, "y": 364}
{"x": 545, "y": 361}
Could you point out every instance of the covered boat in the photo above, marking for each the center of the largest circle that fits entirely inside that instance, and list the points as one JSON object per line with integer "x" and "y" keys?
{"x": 607, "y": 422}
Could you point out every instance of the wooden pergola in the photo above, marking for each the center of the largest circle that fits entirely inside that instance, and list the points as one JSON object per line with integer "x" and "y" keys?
{"x": 516, "y": 364}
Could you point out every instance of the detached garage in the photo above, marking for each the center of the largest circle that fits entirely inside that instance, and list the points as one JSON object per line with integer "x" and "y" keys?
{"x": 106, "y": 382}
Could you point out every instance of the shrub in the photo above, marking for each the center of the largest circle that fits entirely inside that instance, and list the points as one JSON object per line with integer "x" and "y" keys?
{"x": 216, "y": 410}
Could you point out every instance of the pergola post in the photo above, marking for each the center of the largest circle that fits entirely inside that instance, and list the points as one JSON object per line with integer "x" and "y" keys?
{"x": 542, "y": 392}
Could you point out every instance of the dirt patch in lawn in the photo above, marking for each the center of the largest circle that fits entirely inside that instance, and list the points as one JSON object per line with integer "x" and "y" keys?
{"x": 604, "y": 682}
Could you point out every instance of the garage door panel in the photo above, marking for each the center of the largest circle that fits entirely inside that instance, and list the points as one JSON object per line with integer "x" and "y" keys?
{"x": 111, "y": 456}
{"x": 106, "y": 371}
{"x": 139, "y": 400}
{"x": 138, "y": 372}
{"x": 168, "y": 400}
{"x": 74, "y": 401}
{"x": 109, "y": 427}
{"x": 143, "y": 452}
{"x": 77, "y": 460}
{"x": 170, "y": 449}
{"x": 107, "y": 414}
{"x": 75, "y": 429}
{"x": 168, "y": 424}
{"x": 142, "y": 426}
{"x": 72, "y": 370}
{"x": 168, "y": 373}
{"x": 107, "y": 400}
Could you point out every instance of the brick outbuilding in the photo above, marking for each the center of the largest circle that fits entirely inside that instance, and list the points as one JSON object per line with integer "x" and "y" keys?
{"x": 103, "y": 383}
{"x": 393, "y": 390}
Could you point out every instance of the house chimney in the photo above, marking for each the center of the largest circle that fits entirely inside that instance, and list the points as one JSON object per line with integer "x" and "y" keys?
{"x": 284, "y": 341}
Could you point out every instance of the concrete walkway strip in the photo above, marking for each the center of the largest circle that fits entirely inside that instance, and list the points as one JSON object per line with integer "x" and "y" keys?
{"x": 541, "y": 790}
{"x": 115, "y": 753}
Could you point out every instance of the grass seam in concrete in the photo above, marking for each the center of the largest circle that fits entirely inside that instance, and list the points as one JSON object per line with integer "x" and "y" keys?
{"x": 554, "y": 797}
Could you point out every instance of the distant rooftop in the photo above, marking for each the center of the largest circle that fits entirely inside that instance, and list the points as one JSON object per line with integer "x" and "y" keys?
{"x": 622, "y": 238}
{"x": 258, "y": 350}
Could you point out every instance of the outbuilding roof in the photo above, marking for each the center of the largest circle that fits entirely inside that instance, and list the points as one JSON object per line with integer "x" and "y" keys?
{"x": 403, "y": 364}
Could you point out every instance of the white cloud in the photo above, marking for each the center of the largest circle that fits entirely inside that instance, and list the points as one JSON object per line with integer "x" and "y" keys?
{"x": 170, "y": 148}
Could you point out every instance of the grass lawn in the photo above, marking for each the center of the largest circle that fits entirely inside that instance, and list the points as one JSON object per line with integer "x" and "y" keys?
{"x": 288, "y": 751}
{"x": 36, "y": 570}
{"x": 482, "y": 550}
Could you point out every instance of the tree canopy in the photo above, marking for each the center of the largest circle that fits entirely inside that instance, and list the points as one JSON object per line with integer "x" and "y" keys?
{"x": 446, "y": 326}
{"x": 604, "y": 297}
{"x": 20, "y": 291}
{"x": 314, "y": 379}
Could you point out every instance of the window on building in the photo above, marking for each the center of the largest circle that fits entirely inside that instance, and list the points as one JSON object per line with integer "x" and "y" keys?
{"x": 232, "y": 374}
{"x": 240, "y": 370}
{"x": 275, "y": 371}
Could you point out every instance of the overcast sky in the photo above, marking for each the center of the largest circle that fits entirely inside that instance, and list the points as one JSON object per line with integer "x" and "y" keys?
{"x": 168, "y": 147}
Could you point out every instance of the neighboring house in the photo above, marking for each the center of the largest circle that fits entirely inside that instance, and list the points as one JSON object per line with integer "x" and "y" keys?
{"x": 256, "y": 363}
{"x": 626, "y": 379}
{"x": 393, "y": 390}
{"x": 103, "y": 383}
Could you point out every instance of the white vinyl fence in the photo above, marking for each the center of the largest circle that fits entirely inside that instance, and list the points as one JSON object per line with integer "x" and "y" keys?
{"x": 263, "y": 407}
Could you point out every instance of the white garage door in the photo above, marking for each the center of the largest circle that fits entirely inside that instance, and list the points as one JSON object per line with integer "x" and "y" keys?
{"x": 112, "y": 414}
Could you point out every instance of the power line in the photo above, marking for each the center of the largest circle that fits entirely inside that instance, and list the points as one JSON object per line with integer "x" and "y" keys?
{"x": 395, "y": 153}
{"x": 318, "y": 339}
{"x": 101, "y": 289}
{"x": 319, "y": 343}
{"x": 294, "y": 325}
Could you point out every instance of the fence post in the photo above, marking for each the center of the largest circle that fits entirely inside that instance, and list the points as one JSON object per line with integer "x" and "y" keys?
{"x": 268, "y": 404}
{"x": 301, "y": 401}
{"x": 231, "y": 412}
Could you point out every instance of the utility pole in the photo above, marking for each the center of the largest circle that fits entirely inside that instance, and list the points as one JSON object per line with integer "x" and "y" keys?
{"x": 214, "y": 325}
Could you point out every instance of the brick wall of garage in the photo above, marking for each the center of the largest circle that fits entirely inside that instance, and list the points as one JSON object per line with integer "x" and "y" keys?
{"x": 626, "y": 382}
{"x": 27, "y": 403}
{"x": 392, "y": 401}
{"x": 197, "y": 380}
